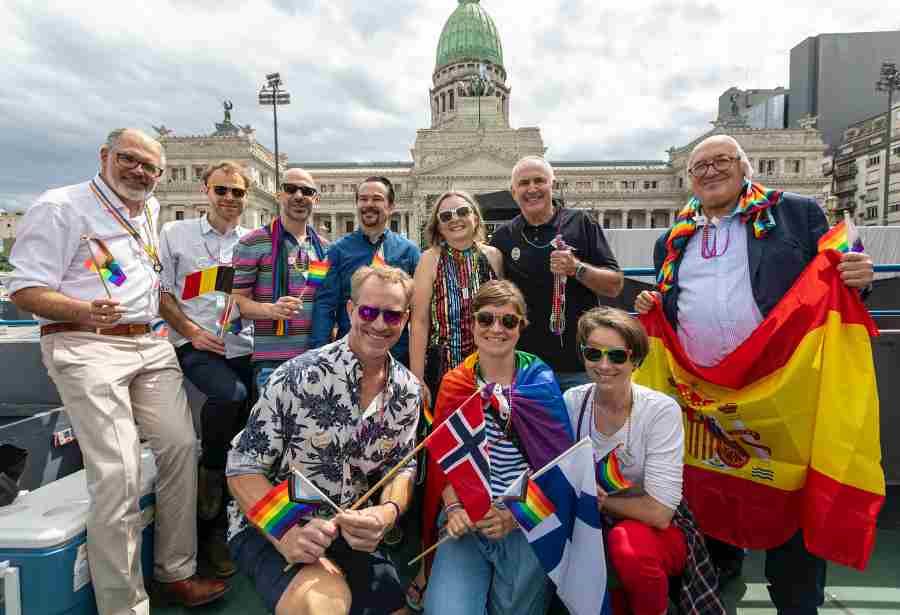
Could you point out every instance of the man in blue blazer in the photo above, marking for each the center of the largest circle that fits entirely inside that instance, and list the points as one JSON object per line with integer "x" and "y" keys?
{"x": 733, "y": 252}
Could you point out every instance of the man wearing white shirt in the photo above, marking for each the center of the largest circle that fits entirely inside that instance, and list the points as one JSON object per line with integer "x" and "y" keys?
{"x": 219, "y": 366}
{"x": 86, "y": 264}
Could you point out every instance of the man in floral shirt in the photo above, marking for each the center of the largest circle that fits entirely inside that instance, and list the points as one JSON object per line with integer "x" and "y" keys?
{"x": 343, "y": 415}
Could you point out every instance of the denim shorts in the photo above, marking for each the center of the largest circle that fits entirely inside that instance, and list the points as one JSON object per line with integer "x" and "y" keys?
{"x": 372, "y": 577}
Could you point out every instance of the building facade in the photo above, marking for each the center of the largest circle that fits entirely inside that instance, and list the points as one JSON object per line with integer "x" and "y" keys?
{"x": 8, "y": 222}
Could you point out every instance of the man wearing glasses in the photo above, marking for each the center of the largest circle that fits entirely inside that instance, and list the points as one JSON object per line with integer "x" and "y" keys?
{"x": 273, "y": 285}
{"x": 343, "y": 415}
{"x": 726, "y": 272}
{"x": 214, "y": 355}
{"x": 86, "y": 264}
{"x": 373, "y": 243}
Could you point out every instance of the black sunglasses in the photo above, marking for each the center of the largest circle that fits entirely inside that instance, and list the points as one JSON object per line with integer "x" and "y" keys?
{"x": 617, "y": 356}
{"x": 448, "y": 214}
{"x": 237, "y": 193}
{"x": 391, "y": 317}
{"x": 486, "y": 319}
{"x": 304, "y": 190}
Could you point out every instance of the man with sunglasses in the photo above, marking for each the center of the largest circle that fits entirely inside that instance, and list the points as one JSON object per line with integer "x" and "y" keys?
{"x": 86, "y": 264}
{"x": 272, "y": 283}
{"x": 344, "y": 415}
{"x": 739, "y": 249}
{"x": 533, "y": 257}
{"x": 373, "y": 243}
{"x": 217, "y": 364}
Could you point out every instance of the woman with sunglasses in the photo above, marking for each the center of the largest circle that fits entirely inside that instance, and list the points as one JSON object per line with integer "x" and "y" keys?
{"x": 489, "y": 565}
{"x": 652, "y": 535}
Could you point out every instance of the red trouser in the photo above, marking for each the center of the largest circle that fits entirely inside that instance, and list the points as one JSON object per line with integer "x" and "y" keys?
{"x": 644, "y": 558}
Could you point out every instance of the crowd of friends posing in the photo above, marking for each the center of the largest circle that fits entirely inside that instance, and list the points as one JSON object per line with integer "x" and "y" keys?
{"x": 314, "y": 369}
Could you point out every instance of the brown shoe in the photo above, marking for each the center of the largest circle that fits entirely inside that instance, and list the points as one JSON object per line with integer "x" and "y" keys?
{"x": 189, "y": 592}
{"x": 210, "y": 492}
{"x": 217, "y": 555}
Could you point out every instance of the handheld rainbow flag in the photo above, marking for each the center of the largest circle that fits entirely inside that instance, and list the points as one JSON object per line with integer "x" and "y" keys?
{"x": 530, "y": 506}
{"x": 217, "y": 278}
{"x": 609, "y": 474}
{"x": 843, "y": 237}
{"x": 276, "y": 512}
{"x": 104, "y": 263}
{"x": 317, "y": 272}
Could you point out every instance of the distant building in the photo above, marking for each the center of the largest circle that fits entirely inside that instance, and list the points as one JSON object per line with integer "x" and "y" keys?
{"x": 832, "y": 77}
{"x": 758, "y": 108}
{"x": 8, "y": 222}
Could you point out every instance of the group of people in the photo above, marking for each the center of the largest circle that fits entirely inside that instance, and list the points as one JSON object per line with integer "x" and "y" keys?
{"x": 315, "y": 337}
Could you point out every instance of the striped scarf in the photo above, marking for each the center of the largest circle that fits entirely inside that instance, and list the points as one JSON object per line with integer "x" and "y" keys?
{"x": 281, "y": 272}
{"x": 755, "y": 204}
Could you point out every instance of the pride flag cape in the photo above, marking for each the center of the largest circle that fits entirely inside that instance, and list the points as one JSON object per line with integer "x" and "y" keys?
{"x": 784, "y": 432}
{"x": 538, "y": 415}
{"x": 216, "y": 278}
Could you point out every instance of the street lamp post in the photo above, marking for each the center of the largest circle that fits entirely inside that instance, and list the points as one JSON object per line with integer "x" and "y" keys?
{"x": 272, "y": 94}
{"x": 889, "y": 82}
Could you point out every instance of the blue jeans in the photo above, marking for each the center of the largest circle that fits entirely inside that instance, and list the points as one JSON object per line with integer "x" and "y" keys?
{"x": 567, "y": 380}
{"x": 261, "y": 372}
{"x": 474, "y": 575}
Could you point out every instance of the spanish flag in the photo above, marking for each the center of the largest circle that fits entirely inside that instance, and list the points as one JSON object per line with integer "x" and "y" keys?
{"x": 218, "y": 278}
{"x": 783, "y": 434}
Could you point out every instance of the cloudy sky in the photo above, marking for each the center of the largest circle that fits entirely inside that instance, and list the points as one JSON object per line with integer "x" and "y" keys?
{"x": 602, "y": 80}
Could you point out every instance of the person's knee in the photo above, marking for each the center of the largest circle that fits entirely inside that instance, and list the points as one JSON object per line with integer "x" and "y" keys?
{"x": 315, "y": 594}
{"x": 630, "y": 545}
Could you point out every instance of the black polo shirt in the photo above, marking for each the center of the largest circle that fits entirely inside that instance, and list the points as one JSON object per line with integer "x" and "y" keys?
{"x": 526, "y": 262}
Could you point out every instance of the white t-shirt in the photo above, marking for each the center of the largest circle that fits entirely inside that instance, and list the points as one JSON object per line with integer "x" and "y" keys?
{"x": 654, "y": 444}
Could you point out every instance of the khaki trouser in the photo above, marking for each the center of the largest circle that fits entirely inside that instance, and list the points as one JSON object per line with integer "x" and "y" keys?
{"x": 116, "y": 388}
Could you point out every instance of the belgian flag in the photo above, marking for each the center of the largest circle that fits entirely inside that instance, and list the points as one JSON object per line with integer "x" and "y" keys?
{"x": 219, "y": 278}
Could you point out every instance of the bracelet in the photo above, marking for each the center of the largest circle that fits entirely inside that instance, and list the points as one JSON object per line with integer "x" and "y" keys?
{"x": 449, "y": 508}
{"x": 396, "y": 509}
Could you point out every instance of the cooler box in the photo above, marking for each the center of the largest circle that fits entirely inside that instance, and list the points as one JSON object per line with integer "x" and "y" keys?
{"x": 43, "y": 555}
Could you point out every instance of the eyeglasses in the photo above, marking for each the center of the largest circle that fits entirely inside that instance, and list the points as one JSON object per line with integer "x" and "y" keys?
{"x": 616, "y": 356}
{"x": 460, "y": 212}
{"x": 127, "y": 161}
{"x": 237, "y": 193}
{"x": 721, "y": 163}
{"x": 391, "y": 317}
{"x": 304, "y": 190}
{"x": 486, "y": 320}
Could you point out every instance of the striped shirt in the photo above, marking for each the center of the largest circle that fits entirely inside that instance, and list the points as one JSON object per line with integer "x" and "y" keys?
{"x": 253, "y": 269}
{"x": 507, "y": 462}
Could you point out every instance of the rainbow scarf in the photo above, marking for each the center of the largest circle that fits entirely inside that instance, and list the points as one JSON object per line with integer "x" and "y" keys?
{"x": 755, "y": 204}
{"x": 531, "y": 507}
{"x": 609, "y": 474}
{"x": 280, "y": 269}
{"x": 276, "y": 513}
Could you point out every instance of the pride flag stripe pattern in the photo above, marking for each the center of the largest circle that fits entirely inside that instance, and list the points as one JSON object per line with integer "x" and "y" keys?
{"x": 842, "y": 237}
{"x": 109, "y": 267}
{"x": 532, "y": 508}
{"x": 217, "y": 278}
{"x": 609, "y": 474}
{"x": 783, "y": 434}
{"x": 317, "y": 272}
{"x": 275, "y": 513}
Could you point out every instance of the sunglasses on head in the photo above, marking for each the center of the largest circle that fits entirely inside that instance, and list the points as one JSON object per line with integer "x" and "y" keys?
{"x": 304, "y": 190}
{"x": 509, "y": 321}
{"x": 369, "y": 313}
{"x": 617, "y": 356}
{"x": 460, "y": 212}
{"x": 237, "y": 193}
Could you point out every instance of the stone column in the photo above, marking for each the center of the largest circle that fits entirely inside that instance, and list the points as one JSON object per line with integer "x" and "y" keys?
{"x": 648, "y": 218}
{"x": 625, "y": 218}
{"x": 601, "y": 218}
{"x": 334, "y": 228}
{"x": 671, "y": 217}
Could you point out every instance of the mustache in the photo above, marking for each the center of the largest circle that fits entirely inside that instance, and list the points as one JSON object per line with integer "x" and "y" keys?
{"x": 369, "y": 210}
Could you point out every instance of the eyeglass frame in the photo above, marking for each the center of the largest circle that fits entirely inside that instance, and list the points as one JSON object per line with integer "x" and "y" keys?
{"x": 605, "y": 352}
{"x": 454, "y": 213}
{"x": 727, "y": 161}
{"x": 147, "y": 167}
{"x": 370, "y": 313}
{"x": 226, "y": 189}
{"x": 502, "y": 318}
{"x": 292, "y": 188}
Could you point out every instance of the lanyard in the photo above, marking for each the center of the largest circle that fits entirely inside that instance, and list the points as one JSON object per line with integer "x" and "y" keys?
{"x": 148, "y": 248}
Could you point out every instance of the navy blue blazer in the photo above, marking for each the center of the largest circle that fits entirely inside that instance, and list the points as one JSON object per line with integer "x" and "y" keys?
{"x": 775, "y": 260}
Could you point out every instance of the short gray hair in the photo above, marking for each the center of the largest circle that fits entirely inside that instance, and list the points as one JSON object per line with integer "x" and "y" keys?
{"x": 115, "y": 135}
{"x": 742, "y": 155}
{"x": 523, "y": 161}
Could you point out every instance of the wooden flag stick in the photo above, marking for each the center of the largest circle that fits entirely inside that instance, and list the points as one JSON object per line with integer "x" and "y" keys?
{"x": 87, "y": 240}
{"x": 226, "y": 316}
{"x": 429, "y": 550}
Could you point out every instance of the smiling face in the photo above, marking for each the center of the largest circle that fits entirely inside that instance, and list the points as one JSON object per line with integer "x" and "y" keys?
{"x": 459, "y": 229}
{"x": 608, "y": 375}
{"x": 718, "y": 191}
{"x": 371, "y": 340}
{"x": 132, "y": 147}
{"x": 373, "y": 206}
{"x": 297, "y": 208}
{"x": 227, "y": 207}
{"x": 496, "y": 340}
{"x": 532, "y": 190}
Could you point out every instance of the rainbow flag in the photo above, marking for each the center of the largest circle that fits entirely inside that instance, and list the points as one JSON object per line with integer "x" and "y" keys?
{"x": 217, "y": 278}
{"x": 317, "y": 272}
{"x": 843, "y": 237}
{"x": 109, "y": 267}
{"x": 531, "y": 506}
{"x": 609, "y": 474}
{"x": 783, "y": 434}
{"x": 276, "y": 513}
{"x": 378, "y": 257}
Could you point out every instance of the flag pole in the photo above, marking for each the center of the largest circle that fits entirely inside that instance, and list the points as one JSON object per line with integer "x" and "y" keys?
{"x": 316, "y": 489}
{"x": 404, "y": 461}
{"x": 429, "y": 550}
{"x": 561, "y": 456}
{"x": 226, "y": 316}
{"x": 87, "y": 240}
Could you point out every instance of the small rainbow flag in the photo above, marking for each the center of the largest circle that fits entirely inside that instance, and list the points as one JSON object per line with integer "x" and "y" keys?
{"x": 609, "y": 474}
{"x": 842, "y": 237}
{"x": 378, "y": 258}
{"x": 531, "y": 507}
{"x": 317, "y": 272}
{"x": 276, "y": 513}
{"x": 217, "y": 278}
{"x": 110, "y": 270}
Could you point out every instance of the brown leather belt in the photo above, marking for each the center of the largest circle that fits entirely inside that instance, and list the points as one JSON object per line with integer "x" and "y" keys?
{"x": 129, "y": 330}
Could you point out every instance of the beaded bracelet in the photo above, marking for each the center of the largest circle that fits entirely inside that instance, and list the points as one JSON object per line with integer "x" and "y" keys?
{"x": 451, "y": 507}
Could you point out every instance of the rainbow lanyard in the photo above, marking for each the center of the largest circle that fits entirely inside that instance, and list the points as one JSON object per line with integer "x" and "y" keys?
{"x": 148, "y": 248}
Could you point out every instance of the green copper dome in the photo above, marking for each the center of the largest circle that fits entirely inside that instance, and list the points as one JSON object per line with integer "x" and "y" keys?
{"x": 469, "y": 34}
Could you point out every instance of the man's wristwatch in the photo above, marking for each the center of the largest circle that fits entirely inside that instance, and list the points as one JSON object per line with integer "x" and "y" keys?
{"x": 580, "y": 271}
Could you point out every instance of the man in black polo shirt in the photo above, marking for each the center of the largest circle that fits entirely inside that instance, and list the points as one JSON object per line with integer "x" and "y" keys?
{"x": 531, "y": 257}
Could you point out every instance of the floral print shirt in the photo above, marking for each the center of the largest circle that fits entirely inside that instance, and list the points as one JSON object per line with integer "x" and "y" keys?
{"x": 309, "y": 417}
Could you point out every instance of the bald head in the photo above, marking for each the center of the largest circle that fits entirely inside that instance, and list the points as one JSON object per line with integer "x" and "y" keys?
{"x": 718, "y": 142}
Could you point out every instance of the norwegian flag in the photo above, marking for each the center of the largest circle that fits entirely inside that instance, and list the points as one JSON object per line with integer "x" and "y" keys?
{"x": 460, "y": 446}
